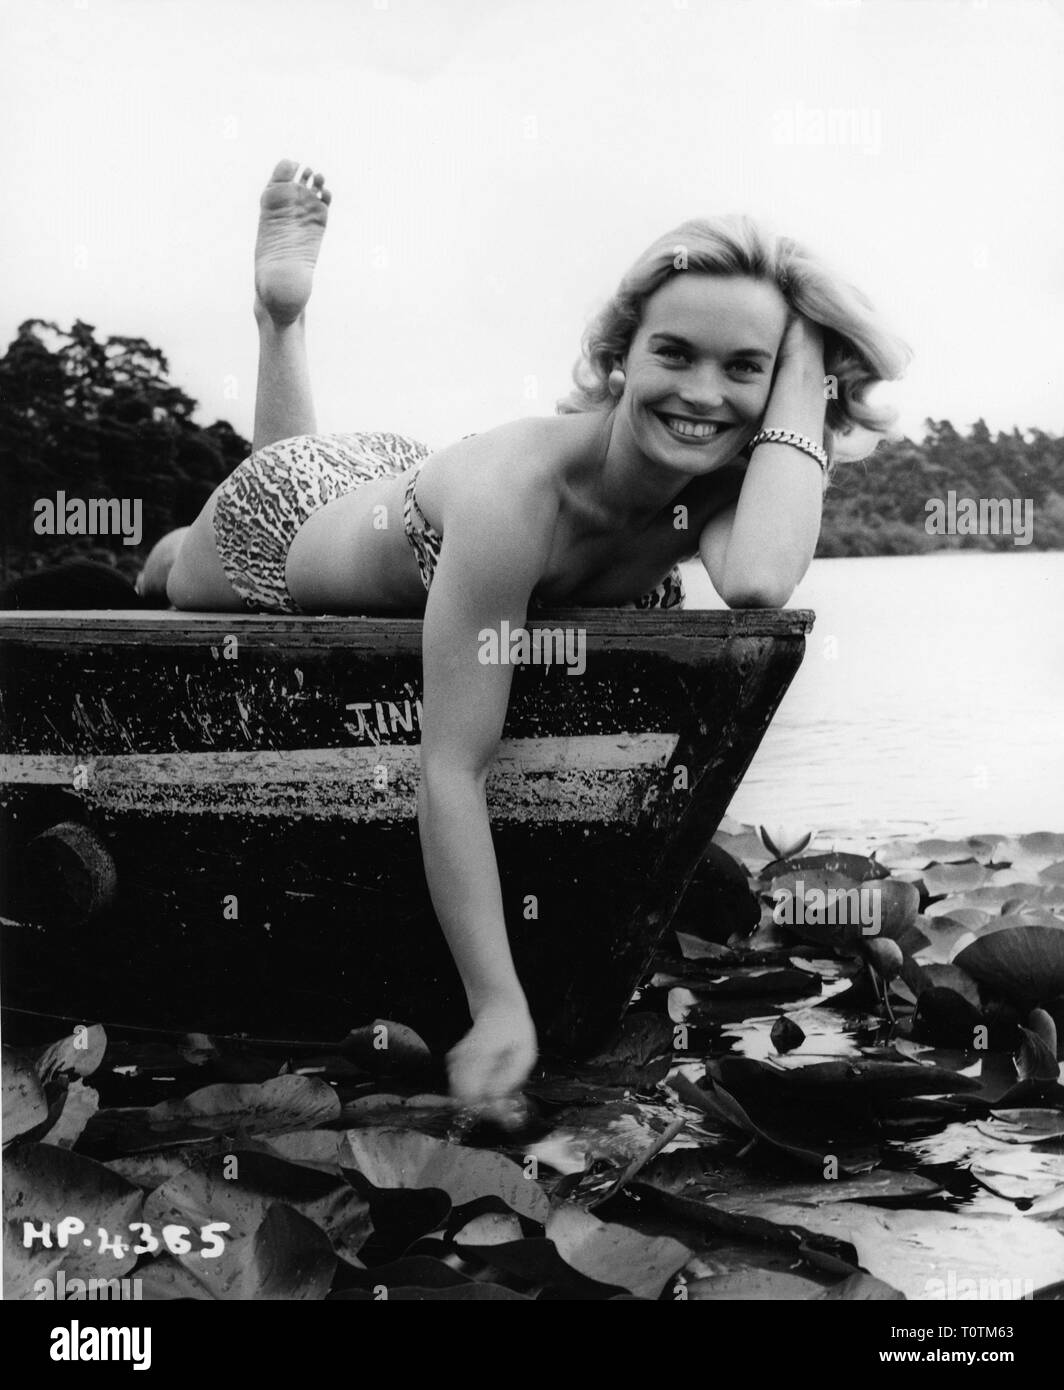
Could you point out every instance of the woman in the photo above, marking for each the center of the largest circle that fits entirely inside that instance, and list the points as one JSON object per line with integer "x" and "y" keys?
{"x": 717, "y": 335}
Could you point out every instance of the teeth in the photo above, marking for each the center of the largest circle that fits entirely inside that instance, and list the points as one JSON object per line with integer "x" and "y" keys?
{"x": 693, "y": 431}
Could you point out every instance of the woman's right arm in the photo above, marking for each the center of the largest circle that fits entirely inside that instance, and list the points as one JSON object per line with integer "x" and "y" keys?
{"x": 496, "y": 543}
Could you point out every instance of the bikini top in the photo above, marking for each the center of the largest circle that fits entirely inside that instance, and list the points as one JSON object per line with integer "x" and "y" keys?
{"x": 425, "y": 541}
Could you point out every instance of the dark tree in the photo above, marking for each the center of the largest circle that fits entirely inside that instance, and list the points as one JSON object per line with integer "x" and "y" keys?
{"x": 99, "y": 420}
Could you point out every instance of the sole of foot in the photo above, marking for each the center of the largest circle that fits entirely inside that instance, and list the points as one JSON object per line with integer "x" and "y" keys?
{"x": 294, "y": 209}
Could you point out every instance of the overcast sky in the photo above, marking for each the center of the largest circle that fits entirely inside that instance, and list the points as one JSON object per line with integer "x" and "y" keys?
{"x": 496, "y": 166}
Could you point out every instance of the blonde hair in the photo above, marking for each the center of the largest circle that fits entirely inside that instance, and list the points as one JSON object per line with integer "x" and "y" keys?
{"x": 859, "y": 349}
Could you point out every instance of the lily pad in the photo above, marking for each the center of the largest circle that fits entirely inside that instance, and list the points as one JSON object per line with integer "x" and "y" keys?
{"x": 952, "y": 850}
{"x": 1027, "y": 1126}
{"x": 1022, "y": 962}
{"x": 77, "y": 1055}
{"x": 275, "y": 1106}
{"x": 762, "y": 1284}
{"x": 80, "y": 1103}
{"x": 614, "y": 1254}
{"x": 895, "y": 906}
{"x": 940, "y": 879}
{"x": 802, "y": 1143}
{"x": 460, "y": 1293}
{"x": 44, "y": 1184}
{"x": 855, "y": 867}
{"x": 412, "y": 1160}
{"x": 283, "y": 1222}
{"x": 24, "y": 1104}
{"x": 386, "y": 1046}
{"x": 863, "y": 1288}
{"x": 928, "y": 1255}
{"x": 848, "y": 1077}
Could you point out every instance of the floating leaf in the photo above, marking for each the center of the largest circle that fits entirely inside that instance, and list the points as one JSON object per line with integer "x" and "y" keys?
{"x": 722, "y": 1106}
{"x": 460, "y": 1293}
{"x": 1027, "y": 1126}
{"x": 841, "y": 1078}
{"x": 945, "y": 1017}
{"x": 581, "y": 1135}
{"x": 165, "y": 1278}
{"x": 412, "y": 1160}
{"x": 940, "y": 879}
{"x": 44, "y": 1184}
{"x": 614, "y": 1254}
{"x": 953, "y": 850}
{"x": 894, "y": 907}
{"x": 1042, "y": 842}
{"x": 695, "y": 948}
{"x": 282, "y": 1220}
{"x": 861, "y": 1287}
{"x": 762, "y": 1284}
{"x": 24, "y": 1104}
{"x": 384, "y": 1046}
{"x": 268, "y": 1107}
{"x": 80, "y": 1103}
{"x": 78, "y": 1055}
{"x": 1044, "y": 1024}
{"x": 700, "y": 1177}
{"x": 1035, "y": 1061}
{"x": 992, "y": 898}
{"x": 854, "y": 867}
{"x": 1021, "y": 962}
{"x": 928, "y": 1254}
{"x": 288, "y": 1260}
{"x": 756, "y": 983}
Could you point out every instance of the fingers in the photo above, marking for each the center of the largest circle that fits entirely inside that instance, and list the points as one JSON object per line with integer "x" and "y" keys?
{"x": 487, "y": 1076}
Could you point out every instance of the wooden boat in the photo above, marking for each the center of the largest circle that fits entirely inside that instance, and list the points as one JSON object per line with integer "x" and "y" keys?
{"x": 209, "y": 821}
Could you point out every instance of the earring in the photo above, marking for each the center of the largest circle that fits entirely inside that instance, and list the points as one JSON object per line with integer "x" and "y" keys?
{"x": 615, "y": 381}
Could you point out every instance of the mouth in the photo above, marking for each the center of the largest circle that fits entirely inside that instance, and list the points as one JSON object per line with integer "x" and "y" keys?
{"x": 693, "y": 431}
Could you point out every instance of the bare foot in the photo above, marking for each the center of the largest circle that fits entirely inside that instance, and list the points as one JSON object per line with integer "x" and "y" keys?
{"x": 291, "y": 226}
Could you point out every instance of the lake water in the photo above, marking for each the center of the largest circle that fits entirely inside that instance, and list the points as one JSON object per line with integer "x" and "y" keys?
{"x": 931, "y": 699}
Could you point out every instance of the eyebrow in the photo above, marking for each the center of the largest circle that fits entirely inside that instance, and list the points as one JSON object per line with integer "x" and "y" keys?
{"x": 683, "y": 342}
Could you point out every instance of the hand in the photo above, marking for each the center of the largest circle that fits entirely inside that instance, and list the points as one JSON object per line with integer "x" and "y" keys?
{"x": 494, "y": 1058}
{"x": 802, "y": 345}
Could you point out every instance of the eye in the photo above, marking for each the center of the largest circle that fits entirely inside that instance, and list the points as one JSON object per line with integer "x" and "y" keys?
{"x": 753, "y": 367}
{"x": 671, "y": 352}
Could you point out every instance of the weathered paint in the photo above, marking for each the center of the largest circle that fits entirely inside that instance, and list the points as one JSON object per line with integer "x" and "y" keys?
{"x": 593, "y": 779}
{"x": 207, "y": 777}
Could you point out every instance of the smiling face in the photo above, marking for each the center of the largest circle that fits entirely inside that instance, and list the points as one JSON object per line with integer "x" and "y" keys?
{"x": 699, "y": 369}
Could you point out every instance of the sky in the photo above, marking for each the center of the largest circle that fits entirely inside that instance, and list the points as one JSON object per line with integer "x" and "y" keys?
{"x": 497, "y": 164}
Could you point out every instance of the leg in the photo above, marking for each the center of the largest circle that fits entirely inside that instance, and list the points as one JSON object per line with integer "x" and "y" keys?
{"x": 292, "y": 218}
{"x": 291, "y": 225}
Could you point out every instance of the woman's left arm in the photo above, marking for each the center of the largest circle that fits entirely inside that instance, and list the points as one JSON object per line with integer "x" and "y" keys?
{"x": 757, "y": 552}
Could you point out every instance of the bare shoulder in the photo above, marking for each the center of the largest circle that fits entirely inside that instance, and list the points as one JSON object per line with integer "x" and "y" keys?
{"x": 521, "y": 454}
{"x": 508, "y": 476}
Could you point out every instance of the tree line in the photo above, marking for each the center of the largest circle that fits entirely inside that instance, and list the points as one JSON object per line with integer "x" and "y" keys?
{"x": 101, "y": 419}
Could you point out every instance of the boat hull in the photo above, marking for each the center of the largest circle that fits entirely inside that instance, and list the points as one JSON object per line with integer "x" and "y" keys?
{"x": 209, "y": 821}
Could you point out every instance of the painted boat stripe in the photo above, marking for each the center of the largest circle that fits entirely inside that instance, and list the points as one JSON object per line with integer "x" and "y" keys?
{"x": 589, "y": 778}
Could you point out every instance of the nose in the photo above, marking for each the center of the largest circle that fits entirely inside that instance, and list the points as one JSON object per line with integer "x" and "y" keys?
{"x": 704, "y": 389}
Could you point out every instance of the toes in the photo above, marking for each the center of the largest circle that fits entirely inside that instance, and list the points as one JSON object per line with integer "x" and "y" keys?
{"x": 284, "y": 171}
{"x": 305, "y": 177}
{"x": 326, "y": 196}
{"x": 319, "y": 179}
